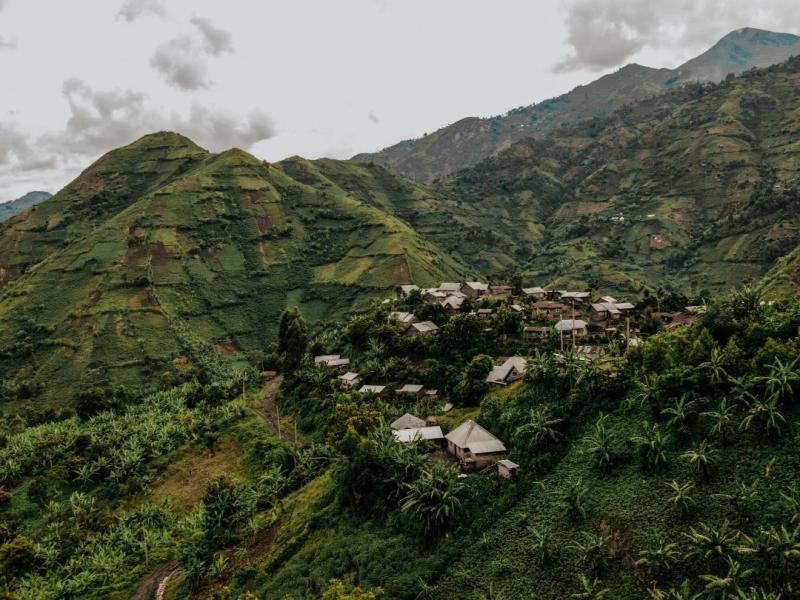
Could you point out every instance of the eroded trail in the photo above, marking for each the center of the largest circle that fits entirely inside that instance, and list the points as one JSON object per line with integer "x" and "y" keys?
{"x": 264, "y": 405}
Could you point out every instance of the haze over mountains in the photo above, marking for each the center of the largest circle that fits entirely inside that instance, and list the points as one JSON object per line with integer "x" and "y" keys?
{"x": 469, "y": 140}
{"x": 9, "y": 209}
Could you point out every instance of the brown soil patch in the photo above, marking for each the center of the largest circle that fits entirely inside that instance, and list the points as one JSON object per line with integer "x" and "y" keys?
{"x": 185, "y": 184}
{"x": 9, "y": 274}
{"x": 181, "y": 364}
{"x": 264, "y": 224}
{"x": 659, "y": 241}
{"x": 680, "y": 218}
{"x": 136, "y": 255}
{"x": 148, "y": 588}
{"x": 95, "y": 296}
{"x": 160, "y": 254}
{"x": 227, "y": 348}
{"x": 255, "y": 196}
{"x": 141, "y": 298}
{"x": 779, "y": 233}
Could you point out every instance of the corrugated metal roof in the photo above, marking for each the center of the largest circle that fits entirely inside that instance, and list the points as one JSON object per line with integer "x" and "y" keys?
{"x": 420, "y": 433}
{"x": 407, "y": 421}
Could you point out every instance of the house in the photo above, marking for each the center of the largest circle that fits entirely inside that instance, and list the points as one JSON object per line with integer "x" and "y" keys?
{"x": 503, "y": 291}
{"x": 608, "y": 299}
{"x": 664, "y": 317}
{"x": 407, "y": 421}
{"x": 449, "y": 287}
{"x": 268, "y": 375}
{"x": 572, "y": 326}
{"x": 412, "y": 389}
{"x": 475, "y": 289}
{"x": 506, "y": 468}
{"x": 511, "y": 370}
{"x": 603, "y": 311}
{"x": 576, "y": 297}
{"x": 517, "y": 308}
{"x": 474, "y": 446}
{"x": 548, "y": 309}
{"x": 332, "y": 361}
{"x": 484, "y": 313}
{"x": 407, "y": 289}
{"x": 534, "y": 332}
{"x": 427, "y": 434}
{"x": 349, "y": 379}
{"x": 453, "y": 303}
{"x": 535, "y": 292}
{"x": 430, "y": 393}
{"x": 434, "y": 295}
{"x": 377, "y": 390}
{"x": 422, "y": 328}
{"x": 588, "y": 352}
{"x": 680, "y": 318}
{"x": 405, "y": 319}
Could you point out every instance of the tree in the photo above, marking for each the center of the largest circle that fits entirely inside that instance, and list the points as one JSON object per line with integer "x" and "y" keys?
{"x": 659, "y": 556}
{"x": 292, "y": 338}
{"x": 17, "y": 557}
{"x": 715, "y": 366}
{"x": 516, "y": 283}
{"x": 711, "y": 543}
{"x": 600, "y": 444}
{"x": 701, "y": 459}
{"x": 682, "y": 499}
{"x": 777, "y": 547}
{"x": 472, "y": 385}
{"x": 434, "y": 498}
{"x": 539, "y": 429}
{"x": 728, "y": 586}
{"x": 652, "y": 446}
{"x": 765, "y": 415}
{"x": 590, "y": 589}
{"x": 573, "y": 498}
{"x": 222, "y": 514}
{"x": 781, "y": 380}
{"x": 680, "y": 415}
{"x": 541, "y": 544}
{"x": 337, "y": 591}
{"x": 593, "y": 551}
{"x": 646, "y": 393}
{"x": 721, "y": 420}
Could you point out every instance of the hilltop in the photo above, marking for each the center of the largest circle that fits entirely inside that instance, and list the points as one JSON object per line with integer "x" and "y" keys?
{"x": 160, "y": 246}
{"x": 11, "y": 208}
{"x": 470, "y": 140}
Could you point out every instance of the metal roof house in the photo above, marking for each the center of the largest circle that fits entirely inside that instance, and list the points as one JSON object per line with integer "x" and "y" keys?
{"x": 407, "y": 421}
{"x": 569, "y": 325}
{"x": 418, "y": 434}
{"x": 349, "y": 379}
{"x": 474, "y": 445}
{"x": 422, "y": 328}
{"x": 378, "y": 390}
{"x": 511, "y": 370}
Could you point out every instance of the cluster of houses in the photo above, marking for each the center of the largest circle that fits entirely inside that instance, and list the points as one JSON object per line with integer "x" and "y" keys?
{"x": 474, "y": 447}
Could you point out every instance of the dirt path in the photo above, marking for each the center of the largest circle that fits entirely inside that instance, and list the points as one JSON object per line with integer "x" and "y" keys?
{"x": 264, "y": 405}
{"x": 155, "y": 585}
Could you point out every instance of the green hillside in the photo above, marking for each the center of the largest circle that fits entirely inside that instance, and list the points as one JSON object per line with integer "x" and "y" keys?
{"x": 470, "y": 140}
{"x": 697, "y": 187}
{"x": 161, "y": 237}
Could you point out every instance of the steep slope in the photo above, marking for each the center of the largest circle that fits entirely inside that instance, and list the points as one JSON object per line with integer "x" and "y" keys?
{"x": 469, "y": 140}
{"x": 212, "y": 254}
{"x": 696, "y": 187}
{"x": 9, "y": 209}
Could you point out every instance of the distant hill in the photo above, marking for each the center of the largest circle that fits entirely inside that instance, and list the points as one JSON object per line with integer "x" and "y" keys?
{"x": 160, "y": 246}
{"x": 9, "y": 209}
{"x": 470, "y": 140}
{"x": 696, "y": 187}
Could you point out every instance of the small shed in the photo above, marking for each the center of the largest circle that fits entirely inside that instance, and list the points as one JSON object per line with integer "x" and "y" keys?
{"x": 511, "y": 370}
{"x": 412, "y": 390}
{"x": 474, "y": 445}
{"x": 506, "y": 468}
{"x": 407, "y": 421}
{"x": 423, "y": 328}
{"x": 378, "y": 390}
{"x": 349, "y": 379}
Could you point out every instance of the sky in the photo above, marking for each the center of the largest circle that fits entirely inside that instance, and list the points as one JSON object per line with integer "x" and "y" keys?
{"x": 312, "y": 77}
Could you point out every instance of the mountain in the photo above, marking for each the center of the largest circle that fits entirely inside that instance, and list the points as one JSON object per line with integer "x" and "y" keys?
{"x": 469, "y": 140}
{"x": 695, "y": 187}
{"x": 160, "y": 246}
{"x": 9, "y": 209}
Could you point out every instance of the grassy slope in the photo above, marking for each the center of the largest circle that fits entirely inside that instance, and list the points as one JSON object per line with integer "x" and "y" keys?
{"x": 216, "y": 244}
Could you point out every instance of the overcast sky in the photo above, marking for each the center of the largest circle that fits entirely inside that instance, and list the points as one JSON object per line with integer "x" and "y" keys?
{"x": 312, "y": 77}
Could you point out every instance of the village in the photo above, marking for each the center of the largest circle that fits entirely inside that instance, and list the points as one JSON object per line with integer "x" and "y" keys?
{"x": 577, "y": 322}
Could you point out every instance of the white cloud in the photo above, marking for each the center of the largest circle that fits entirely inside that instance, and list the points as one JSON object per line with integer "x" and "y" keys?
{"x": 133, "y": 9}
{"x": 181, "y": 64}
{"x": 215, "y": 41}
{"x": 606, "y": 33}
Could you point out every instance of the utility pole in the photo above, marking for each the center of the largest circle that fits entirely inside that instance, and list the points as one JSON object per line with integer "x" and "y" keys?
{"x": 573, "y": 323}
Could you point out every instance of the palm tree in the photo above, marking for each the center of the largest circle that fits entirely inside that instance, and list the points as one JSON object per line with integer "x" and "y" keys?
{"x": 781, "y": 379}
{"x": 434, "y": 497}
{"x": 721, "y": 420}
{"x": 728, "y": 586}
{"x": 652, "y": 445}
{"x": 682, "y": 499}
{"x": 743, "y": 497}
{"x": 574, "y": 498}
{"x": 600, "y": 444}
{"x": 540, "y": 428}
{"x": 710, "y": 542}
{"x": 539, "y": 368}
{"x": 593, "y": 550}
{"x": 778, "y": 547}
{"x": 659, "y": 556}
{"x": 791, "y": 502}
{"x": 590, "y": 589}
{"x": 714, "y": 366}
{"x": 701, "y": 459}
{"x": 681, "y": 414}
{"x": 646, "y": 393}
{"x": 542, "y": 544}
{"x": 765, "y": 415}
{"x": 746, "y": 302}
{"x": 684, "y": 592}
